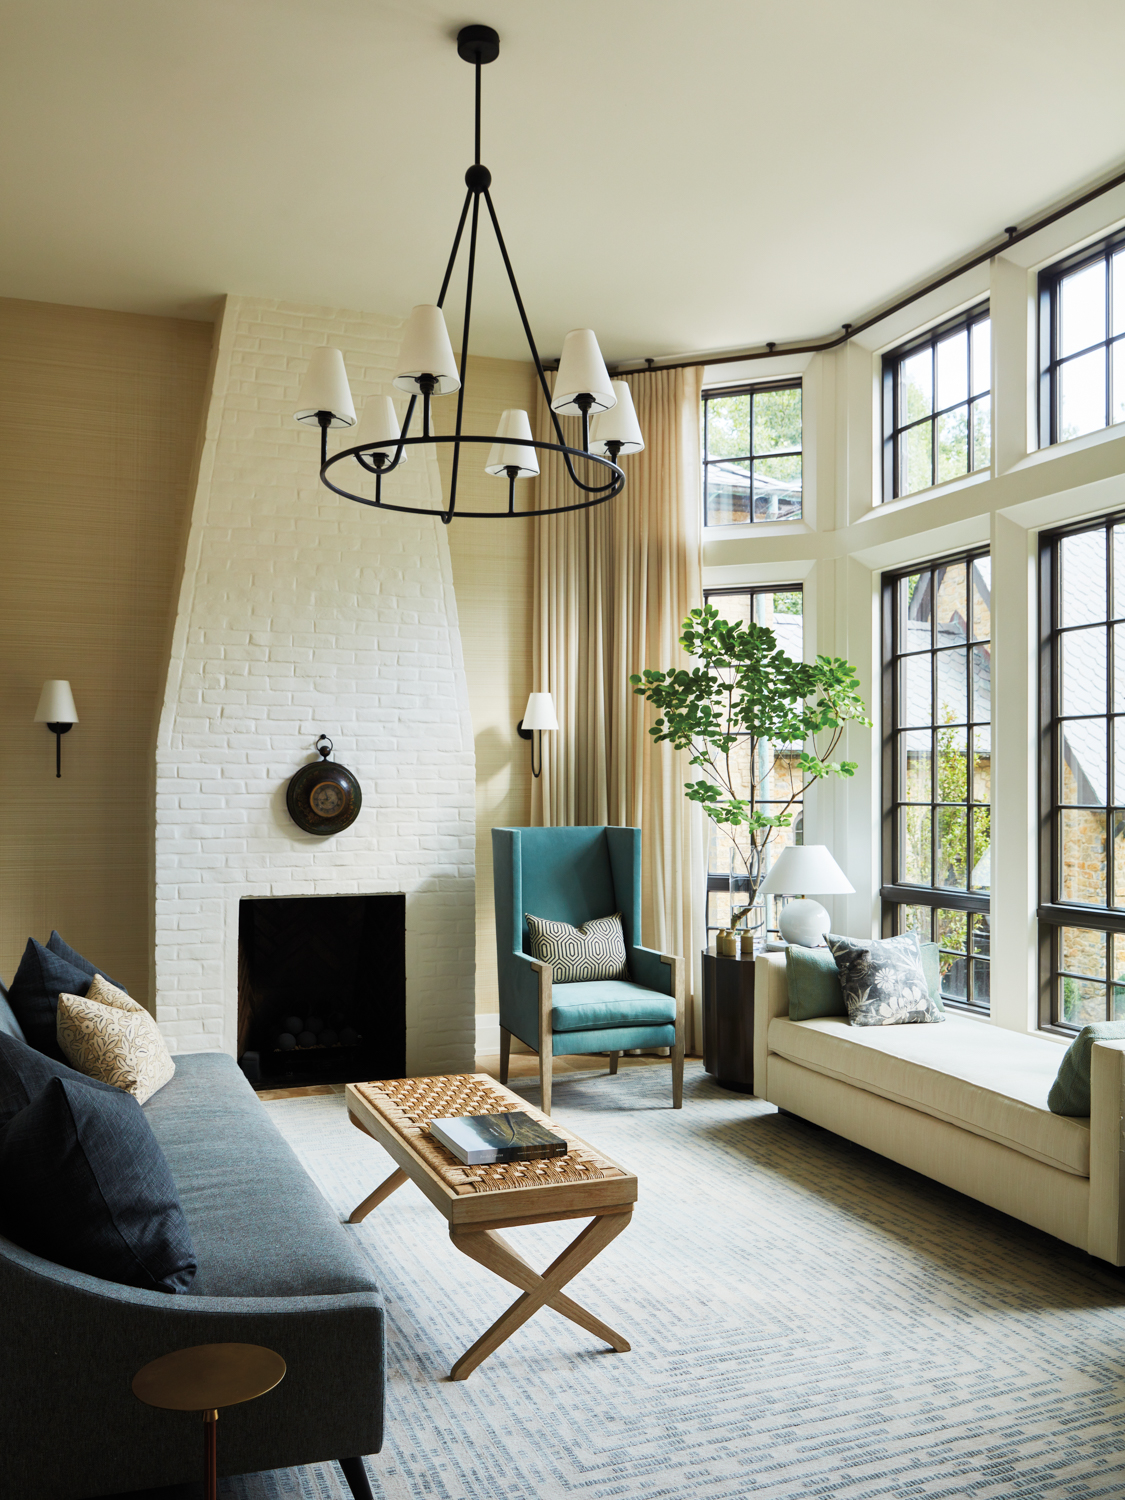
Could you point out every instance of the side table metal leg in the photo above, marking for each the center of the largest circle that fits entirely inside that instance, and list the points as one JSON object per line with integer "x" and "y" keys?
{"x": 356, "y": 1475}
{"x": 210, "y": 1455}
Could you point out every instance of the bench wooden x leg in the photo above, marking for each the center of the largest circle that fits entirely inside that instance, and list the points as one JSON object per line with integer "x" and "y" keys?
{"x": 492, "y": 1250}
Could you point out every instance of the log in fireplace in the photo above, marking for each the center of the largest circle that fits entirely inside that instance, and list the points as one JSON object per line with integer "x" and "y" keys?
{"x": 321, "y": 989}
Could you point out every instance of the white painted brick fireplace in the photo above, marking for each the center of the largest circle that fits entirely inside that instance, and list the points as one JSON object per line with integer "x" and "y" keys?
{"x": 302, "y": 613}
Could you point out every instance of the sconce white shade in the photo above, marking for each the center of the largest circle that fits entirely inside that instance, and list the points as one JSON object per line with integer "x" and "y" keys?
{"x": 426, "y": 350}
{"x": 56, "y": 704}
{"x": 379, "y": 424}
{"x": 619, "y": 424}
{"x": 325, "y": 388}
{"x": 507, "y": 452}
{"x": 540, "y": 712}
{"x": 582, "y": 371}
{"x": 806, "y": 869}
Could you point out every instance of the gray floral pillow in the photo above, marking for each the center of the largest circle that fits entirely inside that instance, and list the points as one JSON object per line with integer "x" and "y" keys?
{"x": 883, "y": 981}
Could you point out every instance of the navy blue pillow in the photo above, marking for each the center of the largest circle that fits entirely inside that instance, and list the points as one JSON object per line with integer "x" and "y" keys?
{"x": 41, "y": 978}
{"x": 87, "y": 1186}
{"x": 25, "y": 1073}
{"x": 9, "y": 1026}
{"x": 63, "y": 950}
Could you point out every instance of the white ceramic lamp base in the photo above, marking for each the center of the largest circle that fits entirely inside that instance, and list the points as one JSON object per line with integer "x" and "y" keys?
{"x": 804, "y": 923}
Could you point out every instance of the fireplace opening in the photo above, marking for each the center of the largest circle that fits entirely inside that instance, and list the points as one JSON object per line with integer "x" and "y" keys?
{"x": 321, "y": 989}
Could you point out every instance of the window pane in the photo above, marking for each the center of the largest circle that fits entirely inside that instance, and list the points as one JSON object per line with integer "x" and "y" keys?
{"x": 917, "y": 387}
{"x": 1083, "y": 672}
{"x": 954, "y": 972}
{"x": 1082, "y": 308}
{"x": 1083, "y": 1001}
{"x": 982, "y": 433}
{"x": 951, "y": 584}
{"x": 1118, "y": 271}
{"x": 1117, "y": 363}
{"x": 914, "y": 845}
{"x": 915, "y": 919}
{"x": 982, "y": 598}
{"x": 980, "y": 877}
{"x": 1082, "y": 395}
{"x": 952, "y": 768}
{"x": 1082, "y": 565}
{"x": 982, "y": 981}
{"x": 1119, "y": 761}
{"x": 982, "y": 683}
{"x": 952, "y": 928}
{"x": 1082, "y": 951}
{"x": 982, "y": 764}
{"x": 982, "y": 934}
{"x": 953, "y": 444}
{"x": 953, "y": 370}
{"x": 777, "y": 489}
{"x": 728, "y": 493}
{"x": 982, "y": 356}
{"x": 915, "y": 694}
{"x": 777, "y": 420}
{"x": 1084, "y": 754}
{"x": 916, "y": 765}
{"x": 952, "y": 687}
{"x": 1083, "y": 856}
{"x": 916, "y": 597}
{"x": 728, "y": 426}
{"x": 952, "y": 848}
{"x": 1118, "y": 860}
{"x": 916, "y": 459}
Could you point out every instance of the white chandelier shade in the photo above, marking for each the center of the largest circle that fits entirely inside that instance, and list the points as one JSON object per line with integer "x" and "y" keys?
{"x": 618, "y": 425}
{"x": 379, "y": 424}
{"x": 582, "y": 373}
{"x": 426, "y": 351}
{"x": 508, "y": 452}
{"x": 325, "y": 388}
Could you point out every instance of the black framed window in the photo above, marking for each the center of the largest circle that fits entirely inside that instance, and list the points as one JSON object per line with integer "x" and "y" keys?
{"x": 752, "y": 454}
{"x": 1082, "y": 343}
{"x": 781, "y": 607}
{"x": 1082, "y": 775}
{"x": 937, "y": 405}
{"x": 937, "y": 765}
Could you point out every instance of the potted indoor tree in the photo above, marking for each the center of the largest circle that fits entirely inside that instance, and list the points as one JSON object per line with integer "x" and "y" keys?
{"x": 760, "y": 726}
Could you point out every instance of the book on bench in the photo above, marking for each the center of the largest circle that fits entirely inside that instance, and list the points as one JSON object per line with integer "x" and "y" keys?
{"x": 480, "y": 1140}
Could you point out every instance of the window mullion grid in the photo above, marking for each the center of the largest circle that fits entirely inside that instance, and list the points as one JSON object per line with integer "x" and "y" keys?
{"x": 933, "y": 411}
{"x": 1108, "y": 328}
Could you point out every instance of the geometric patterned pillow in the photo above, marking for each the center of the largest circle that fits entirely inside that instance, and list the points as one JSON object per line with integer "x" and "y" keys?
{"x": 883, "y": 981}
{"x": 596, "y": 950}
{"x": 108, "y": 1036}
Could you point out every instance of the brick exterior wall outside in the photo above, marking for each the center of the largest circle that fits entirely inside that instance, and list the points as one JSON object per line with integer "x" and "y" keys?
{"x": 299, "y": 613}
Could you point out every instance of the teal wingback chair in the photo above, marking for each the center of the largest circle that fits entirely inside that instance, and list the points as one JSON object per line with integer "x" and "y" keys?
{"x": 571, "y": 875}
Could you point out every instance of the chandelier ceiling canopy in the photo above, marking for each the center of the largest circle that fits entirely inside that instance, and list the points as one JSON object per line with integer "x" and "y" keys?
{"x": 427, "y": 368}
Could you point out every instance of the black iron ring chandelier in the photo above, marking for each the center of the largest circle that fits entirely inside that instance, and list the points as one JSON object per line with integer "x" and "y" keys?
{"x": 426, "y": 368}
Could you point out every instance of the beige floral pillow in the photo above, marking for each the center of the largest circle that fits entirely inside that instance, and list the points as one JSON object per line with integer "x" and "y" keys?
{"x": 108, "y": 1036}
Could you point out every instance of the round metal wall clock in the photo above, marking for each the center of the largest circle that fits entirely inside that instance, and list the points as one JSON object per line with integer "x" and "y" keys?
{"x": 323, "y": 797}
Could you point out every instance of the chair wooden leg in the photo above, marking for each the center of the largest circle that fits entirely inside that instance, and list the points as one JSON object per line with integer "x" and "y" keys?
{"x": 505, "y": 1052}
{"x": 545, "y": 1061}
{"x": 614, "y": 1058}
{"x": 678, "y": 1076}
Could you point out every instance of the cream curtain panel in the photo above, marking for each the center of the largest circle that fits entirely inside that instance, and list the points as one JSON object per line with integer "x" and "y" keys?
{"x": 611, "y": 588}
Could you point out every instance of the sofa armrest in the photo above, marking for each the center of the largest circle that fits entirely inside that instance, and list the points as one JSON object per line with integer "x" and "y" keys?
{"x": 771, "y": 999}
{"x": 1107, "y": 1152}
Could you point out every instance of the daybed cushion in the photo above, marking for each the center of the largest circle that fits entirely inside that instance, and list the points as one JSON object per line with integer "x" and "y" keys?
{"x": 260, "y": 1226}
{"x": 609, "y": 1002}
{"x": 986, "y": 1079}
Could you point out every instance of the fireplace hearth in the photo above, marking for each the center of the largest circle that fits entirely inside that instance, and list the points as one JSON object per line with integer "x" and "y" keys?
{"x": 321, "y": 989}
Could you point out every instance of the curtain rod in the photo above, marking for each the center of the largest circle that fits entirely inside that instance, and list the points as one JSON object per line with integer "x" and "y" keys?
{"x": 833, "y": 341}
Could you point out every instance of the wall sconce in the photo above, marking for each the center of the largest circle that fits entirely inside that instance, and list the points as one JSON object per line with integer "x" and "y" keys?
{"x": 56, "y": 710}
{"x": 538, "y": 715}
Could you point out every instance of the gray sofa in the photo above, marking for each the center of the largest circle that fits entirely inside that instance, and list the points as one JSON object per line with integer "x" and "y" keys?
{"x": 276, "y": 1267}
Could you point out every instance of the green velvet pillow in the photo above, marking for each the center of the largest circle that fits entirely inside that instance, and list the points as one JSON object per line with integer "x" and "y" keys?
{"x": 1070, "y": 1092}
{"x": 814, "y": 984}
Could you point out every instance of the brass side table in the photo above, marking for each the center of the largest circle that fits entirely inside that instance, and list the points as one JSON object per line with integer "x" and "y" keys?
{"x": 205, "y": 1378}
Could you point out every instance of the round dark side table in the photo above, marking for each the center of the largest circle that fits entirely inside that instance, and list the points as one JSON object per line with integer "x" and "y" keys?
{"x": 205, "y": 1378}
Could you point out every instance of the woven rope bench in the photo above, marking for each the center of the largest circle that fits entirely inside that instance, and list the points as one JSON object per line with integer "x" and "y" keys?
{"x": 479, "y": 1201}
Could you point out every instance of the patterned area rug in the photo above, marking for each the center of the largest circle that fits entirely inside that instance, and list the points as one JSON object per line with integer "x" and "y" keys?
{"x": 807, "y": 1319}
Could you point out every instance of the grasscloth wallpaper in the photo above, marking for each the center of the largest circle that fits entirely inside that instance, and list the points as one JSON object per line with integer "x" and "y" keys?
{"x": 99, "y": 417}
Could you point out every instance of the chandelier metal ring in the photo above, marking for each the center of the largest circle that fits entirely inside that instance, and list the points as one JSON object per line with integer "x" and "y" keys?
{"x": 427, "y": 369}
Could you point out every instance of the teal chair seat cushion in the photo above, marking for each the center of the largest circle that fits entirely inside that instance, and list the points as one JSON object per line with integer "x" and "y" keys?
{"x": 596, "y": 1004}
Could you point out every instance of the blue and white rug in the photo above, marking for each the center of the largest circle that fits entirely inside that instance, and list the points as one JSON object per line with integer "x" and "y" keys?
{"x": 807, "y": 1320}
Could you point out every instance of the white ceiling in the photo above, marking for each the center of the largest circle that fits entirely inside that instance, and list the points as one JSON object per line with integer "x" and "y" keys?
{"x": 679, "y": 176}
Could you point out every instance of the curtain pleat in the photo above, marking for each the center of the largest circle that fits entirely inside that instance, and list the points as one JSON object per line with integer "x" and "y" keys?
{"x": 612, "y": 586}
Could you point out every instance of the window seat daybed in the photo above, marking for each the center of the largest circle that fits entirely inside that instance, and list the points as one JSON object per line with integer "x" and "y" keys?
{"x": 963, "y": 1102}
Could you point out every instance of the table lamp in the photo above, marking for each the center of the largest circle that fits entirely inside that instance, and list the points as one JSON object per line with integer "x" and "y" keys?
{"x": 798, "y": 869}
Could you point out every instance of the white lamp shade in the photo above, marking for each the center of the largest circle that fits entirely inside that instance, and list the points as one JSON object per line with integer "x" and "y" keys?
{"x": 540, "y": 712}
{"x": 56, "y": 704}
{"x": 582, "y": 371}
{"x": 325, "y": 388}
{"x": 619, "y": 424}
{"x": 426, "y": 350}
{"x": 379, "y": 424}
{"x": 803, "y": 870}
{"x": 508, "y": 452}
